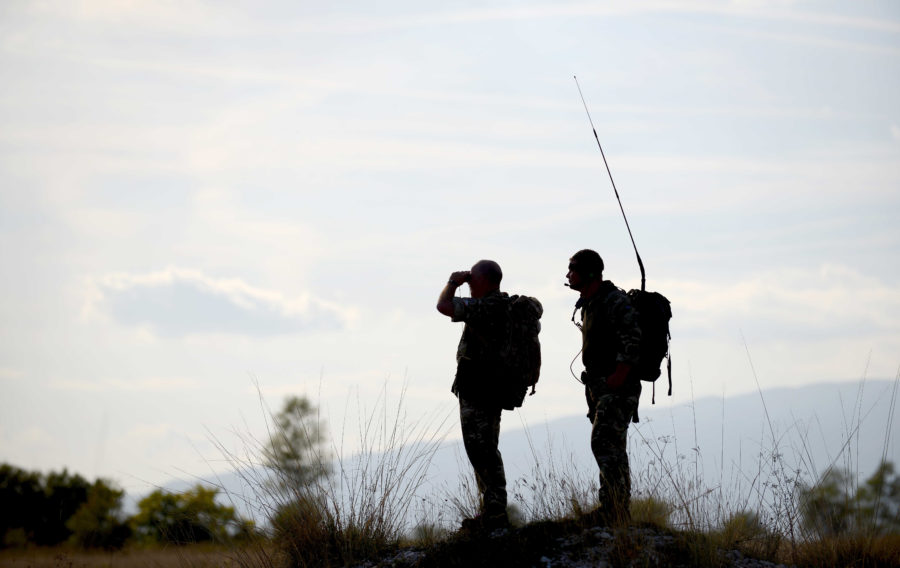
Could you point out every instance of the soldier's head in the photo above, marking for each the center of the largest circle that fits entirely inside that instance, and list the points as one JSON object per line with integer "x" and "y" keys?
{"x": 485, "y": 276}
{"x": 585, "y": 268}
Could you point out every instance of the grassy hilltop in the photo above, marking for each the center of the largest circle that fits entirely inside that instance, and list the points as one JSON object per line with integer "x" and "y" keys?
{"x": 382, "y": 506}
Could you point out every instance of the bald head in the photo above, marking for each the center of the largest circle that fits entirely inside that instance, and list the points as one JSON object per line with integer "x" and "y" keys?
{"x": 489, "y": 270}
{"x": 484, "y": 278}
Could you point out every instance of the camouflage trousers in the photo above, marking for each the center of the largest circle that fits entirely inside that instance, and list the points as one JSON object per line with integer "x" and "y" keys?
{"x": 481, "y": 437}
{"x": 610, "y": 415}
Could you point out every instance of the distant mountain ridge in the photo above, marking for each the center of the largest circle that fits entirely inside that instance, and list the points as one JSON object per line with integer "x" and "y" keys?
{"x": 809, "y": 428}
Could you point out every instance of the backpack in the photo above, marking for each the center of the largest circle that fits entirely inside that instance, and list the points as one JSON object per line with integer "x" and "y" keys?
{"x": 522, "y": 359}
{"x": 654, "y": 312}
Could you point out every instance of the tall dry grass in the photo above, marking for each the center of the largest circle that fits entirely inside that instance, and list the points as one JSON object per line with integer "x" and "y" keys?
{"x": 362, "y": 509}
{"x": 557, "y": 486}
{"x": 760, "y": 511}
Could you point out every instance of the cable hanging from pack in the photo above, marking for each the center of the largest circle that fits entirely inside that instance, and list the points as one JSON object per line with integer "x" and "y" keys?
{"x": 616, "y": 191}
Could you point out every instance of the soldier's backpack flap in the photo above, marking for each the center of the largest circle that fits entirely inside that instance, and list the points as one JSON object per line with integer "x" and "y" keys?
{"x": 523, "y": 356}
{"x": 654, "y": 312}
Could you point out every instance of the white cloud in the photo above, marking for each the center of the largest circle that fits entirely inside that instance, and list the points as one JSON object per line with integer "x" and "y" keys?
{"x": 832, "y": 301}
{"x": 150, "y": 384}
{"x": 187, "y": 17}
{"x": 178, "y": 302}
{"x": 10, "y": 374}
{"x": 755, "y": 9}
{"x": 154, "y": 431}
{"x": 824, "y": 42}
{"x": 35, "y": 447}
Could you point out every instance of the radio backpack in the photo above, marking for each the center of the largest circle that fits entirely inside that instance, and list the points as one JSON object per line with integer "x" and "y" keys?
{"x": 523, "y": 357}
{"x": 654, "y": 310}
{"x": 654, "y": 313}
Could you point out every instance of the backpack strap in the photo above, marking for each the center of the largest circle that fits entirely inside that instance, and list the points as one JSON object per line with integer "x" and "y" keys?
{"x": 669, "y": 361}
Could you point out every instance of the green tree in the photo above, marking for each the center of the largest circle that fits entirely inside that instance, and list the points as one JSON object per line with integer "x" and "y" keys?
{"x": 35, "y": 507}
{"x": 64, "y": 493}
{"x": 99, "y": 522}
{"x": 878, "y": 501}
{"x": 182, "y": 518}
{"x": 294, "y": 450}
{"x": 833, "y": 506}
{"x": 295, "y": 455}
{"x": 21, "y": 493}
{"x": 826, "y": 507}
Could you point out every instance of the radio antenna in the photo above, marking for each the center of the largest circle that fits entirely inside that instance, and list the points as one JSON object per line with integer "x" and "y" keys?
{"x": 616, "y": 191}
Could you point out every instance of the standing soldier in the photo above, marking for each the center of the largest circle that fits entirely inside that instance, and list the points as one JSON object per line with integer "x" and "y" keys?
{"x": 479, "y": 368}
{"x": 610, "y": 347}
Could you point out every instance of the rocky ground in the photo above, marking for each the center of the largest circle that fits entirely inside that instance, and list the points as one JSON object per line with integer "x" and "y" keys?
{"x": 565, "y": 544}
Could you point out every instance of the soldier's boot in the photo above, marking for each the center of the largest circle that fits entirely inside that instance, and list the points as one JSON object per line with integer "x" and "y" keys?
{"x": 614, "y": 509}
{"x": 607, "y": 516}
{"x": 483, "y": 523}
{"x": 487, "y": 521}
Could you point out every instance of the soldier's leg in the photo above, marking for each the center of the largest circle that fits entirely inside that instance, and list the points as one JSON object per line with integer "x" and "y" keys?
{"x": 481, "y": 436}
{"x": 609, "y": 436}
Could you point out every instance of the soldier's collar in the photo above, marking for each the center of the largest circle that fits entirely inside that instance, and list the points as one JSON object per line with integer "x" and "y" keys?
{"x": 601, "y": 292}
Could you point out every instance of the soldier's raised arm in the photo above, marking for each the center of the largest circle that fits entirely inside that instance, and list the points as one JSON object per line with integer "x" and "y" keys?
{"x": 445, "y": 300}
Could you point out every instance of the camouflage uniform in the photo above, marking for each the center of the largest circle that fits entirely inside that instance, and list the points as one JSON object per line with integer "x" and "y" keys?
{"x": 478, "y": 366}
{"x": 610, "y": 336}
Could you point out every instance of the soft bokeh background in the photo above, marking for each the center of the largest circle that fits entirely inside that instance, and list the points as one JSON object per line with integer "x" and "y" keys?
{"x": 207, "y": 206}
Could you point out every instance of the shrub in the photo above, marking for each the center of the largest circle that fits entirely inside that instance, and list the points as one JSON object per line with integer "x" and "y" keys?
{"x": 98, "y": 523}
{"x": 183, "y": 518}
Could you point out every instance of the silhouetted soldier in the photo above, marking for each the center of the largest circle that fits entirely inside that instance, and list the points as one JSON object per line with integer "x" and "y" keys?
{"x": 479, "y": 366}
{"x": 610, "y": 347}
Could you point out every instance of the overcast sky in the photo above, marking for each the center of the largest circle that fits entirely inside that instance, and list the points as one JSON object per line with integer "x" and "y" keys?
{"x": 205, "y": 202}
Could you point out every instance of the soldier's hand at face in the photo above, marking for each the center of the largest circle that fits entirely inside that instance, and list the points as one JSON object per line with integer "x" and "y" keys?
{"x": 460, "y": 277}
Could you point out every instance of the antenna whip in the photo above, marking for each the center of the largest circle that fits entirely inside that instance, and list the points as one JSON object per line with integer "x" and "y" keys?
{"x": 616, "y": 191}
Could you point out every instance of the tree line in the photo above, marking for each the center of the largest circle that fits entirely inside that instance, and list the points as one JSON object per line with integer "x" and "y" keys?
{"x": 64, "y": 508}
{"x": 834, "y": 507}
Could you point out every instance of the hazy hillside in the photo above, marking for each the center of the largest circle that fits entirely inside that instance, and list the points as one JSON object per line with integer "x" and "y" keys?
{"x": 814, "y": 425}
{"x": 726, "y": 442}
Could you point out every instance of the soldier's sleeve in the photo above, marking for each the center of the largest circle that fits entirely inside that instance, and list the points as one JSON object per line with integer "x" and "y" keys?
{"x": 628, "y": 330}
{"x": 473, "y": 310}
{"x": 460, "y": 310}
{"x": 467, "y": 310}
